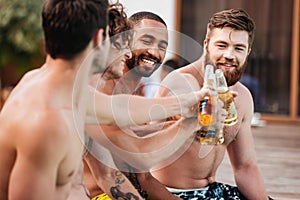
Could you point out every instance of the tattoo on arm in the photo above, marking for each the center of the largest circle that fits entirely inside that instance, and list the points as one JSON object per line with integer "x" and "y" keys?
{"x": 119, "y": 177}
{"x": 118, "y": 194}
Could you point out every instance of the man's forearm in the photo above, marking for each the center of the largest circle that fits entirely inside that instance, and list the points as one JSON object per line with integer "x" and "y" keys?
{"x": 125, "y": 110}
{"x": 155, "y": 190}
{"x": 110, "y": 180}
{"x": 249, "y": 182}
{"x": 150, "y": 129}
{"x": 121, "y": 187}
{"x": 144, "y": 153}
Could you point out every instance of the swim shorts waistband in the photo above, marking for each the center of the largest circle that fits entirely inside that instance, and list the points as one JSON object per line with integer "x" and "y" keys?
{"x": 177, "y": 190}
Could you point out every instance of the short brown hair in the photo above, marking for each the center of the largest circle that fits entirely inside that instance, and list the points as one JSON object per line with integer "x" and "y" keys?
{"x": 69, "y": 25}
{"x": 237, "y": 19}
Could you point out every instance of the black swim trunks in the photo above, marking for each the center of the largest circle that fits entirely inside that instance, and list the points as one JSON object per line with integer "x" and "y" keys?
{"x": 214, "y": 191}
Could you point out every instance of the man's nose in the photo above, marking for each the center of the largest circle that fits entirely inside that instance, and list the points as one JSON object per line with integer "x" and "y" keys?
{"x": 154, "y": 51}
{"x": 127, "y": 53}
{"x": 229, "y": 53}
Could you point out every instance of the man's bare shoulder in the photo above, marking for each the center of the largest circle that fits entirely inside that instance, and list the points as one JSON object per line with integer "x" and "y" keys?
{"x": 243, "y": 93}
{"x": 183, "y": 80}
{"x": 38, "y": 132}
{"x": 192, "y": 68}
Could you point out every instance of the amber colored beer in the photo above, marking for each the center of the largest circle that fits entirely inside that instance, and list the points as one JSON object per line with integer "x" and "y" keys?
{"x": 209, "y": 133}
{"x": 206, "y": 114}
{"x": 226, "y": 96}
{"x": 228, "y": 100}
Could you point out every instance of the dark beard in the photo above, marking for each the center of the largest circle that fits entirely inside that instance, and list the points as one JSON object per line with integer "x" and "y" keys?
{"x": 133, "y": 64}
{"x": 232, "y": 77}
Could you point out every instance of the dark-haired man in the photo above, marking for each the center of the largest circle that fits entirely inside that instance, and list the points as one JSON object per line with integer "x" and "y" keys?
{"x": 40, "y": 148}
{"x": 149, "y": 44}
{"x": 42, "y": 121}
{"x": 148, "y": 51}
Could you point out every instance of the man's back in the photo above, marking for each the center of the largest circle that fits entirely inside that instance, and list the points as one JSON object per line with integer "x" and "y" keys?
{"x": 38, "y": 140}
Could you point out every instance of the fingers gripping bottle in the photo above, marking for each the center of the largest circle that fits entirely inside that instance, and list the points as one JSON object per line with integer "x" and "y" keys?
{"x": 209, "y": 133}
{"x": 225, "y": 95}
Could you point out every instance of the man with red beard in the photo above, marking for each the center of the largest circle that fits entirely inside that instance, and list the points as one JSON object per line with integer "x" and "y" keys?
{"x": 228, "y": 42}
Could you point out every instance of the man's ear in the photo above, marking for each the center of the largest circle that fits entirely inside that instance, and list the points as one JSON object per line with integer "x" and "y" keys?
{"x": 249, "y": 51}
{"x": 98, "y": 38}
{"x": 205, "y": 43}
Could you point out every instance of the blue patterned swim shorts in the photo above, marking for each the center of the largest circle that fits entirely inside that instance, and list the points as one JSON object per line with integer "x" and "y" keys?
{"x": 214, "y": 191}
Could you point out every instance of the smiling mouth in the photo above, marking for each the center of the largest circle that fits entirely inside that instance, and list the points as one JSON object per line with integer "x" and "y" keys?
{"x": 227, "y": 65}
{"x": 147, "y": 61}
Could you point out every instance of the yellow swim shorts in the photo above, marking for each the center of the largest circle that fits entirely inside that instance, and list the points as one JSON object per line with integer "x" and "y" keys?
{"x": 103, "y": 196}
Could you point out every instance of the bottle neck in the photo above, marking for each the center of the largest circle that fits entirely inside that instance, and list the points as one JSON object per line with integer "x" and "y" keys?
{"x": 222, "y": 89}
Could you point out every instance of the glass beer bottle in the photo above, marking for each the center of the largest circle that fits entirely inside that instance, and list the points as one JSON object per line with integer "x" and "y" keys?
{"x": 225, "y": 95}
{"x": 209, "y": 133}
{"x": 207, "y": 105}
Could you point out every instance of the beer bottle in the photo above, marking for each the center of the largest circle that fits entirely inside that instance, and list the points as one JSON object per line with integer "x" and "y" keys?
{"x": 225, "y": 95}
{"x": 209, "y": 134}
{"x": 207, "y": 105}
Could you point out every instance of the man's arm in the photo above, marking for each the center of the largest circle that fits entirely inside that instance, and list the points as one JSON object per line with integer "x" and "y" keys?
{"x": 124, "y": 110}
{"x": 155, "y": 190}
{"x": 111, "y": 180}
{"x": 144, "y": 153}
{"x": 150, "y": 129}
{"x": 242, "y": 154}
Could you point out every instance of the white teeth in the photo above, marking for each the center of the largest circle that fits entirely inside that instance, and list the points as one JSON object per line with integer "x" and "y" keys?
{"x": 228, "y": 65}
{"x": 149, "y": 62}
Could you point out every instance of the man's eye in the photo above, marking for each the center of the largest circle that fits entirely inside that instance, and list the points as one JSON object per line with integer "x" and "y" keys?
{"x": 146, "y": 42}
{"x": 162, "y": 47}
{"x": 117, "y": 45}
{"x": 221, "y": 46}
{"x": 239, "y": 49}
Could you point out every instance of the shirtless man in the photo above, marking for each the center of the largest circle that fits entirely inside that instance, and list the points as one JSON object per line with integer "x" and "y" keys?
{"x": 38, "y": 137}
{"x": 43, "y": 119}
{"x": 228, "y": 42}
{"x": 149, "y": 46}
{"x": 96, "y": 174}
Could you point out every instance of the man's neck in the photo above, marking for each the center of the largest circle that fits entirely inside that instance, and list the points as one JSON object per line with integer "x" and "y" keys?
{"x": 63, "y": 71}
{"x": 127, "y": 83}
{"x": 72, "y": 77}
